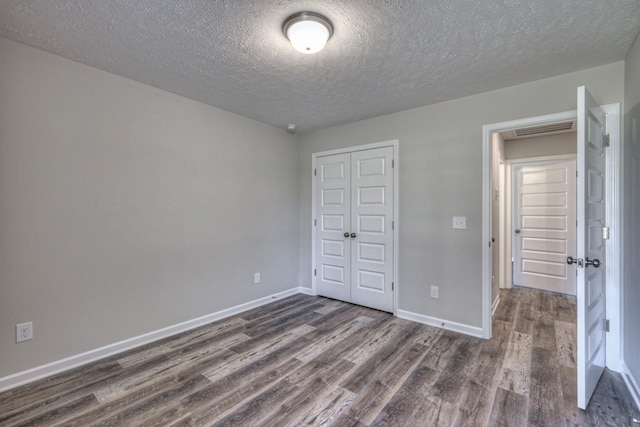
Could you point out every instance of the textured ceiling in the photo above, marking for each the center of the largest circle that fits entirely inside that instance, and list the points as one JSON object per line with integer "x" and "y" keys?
{"x": 385, "y": 55}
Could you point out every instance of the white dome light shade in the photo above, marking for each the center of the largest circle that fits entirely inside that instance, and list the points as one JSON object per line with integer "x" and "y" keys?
{"x": 307, "y": 31}
{"x": 308, "y": 36}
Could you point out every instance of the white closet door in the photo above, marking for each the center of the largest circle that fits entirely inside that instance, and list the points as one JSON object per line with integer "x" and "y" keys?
{"x": 333, "y": 204}
{"x": 371, "y": 221}
{"x": 354, "y": 234}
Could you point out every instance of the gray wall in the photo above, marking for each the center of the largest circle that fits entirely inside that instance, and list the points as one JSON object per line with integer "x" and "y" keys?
{"x": 552, "y": 145}
{"x": 631, "y": 229}
{"x": 125, "y": 209}
{"x": 441, "y": 176}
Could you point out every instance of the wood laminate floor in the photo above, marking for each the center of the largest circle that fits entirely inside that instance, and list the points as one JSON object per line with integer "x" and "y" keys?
{"x": 315, "y": 361}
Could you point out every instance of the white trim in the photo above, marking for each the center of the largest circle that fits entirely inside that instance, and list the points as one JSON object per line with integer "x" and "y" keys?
{"x": 487, "y": 132}
{"x": 474, "y": 331}
{"x": 496, "y": 303}
{"x": 613, "y": 215}
{"x": 507, "y": 237}
{"x": 631, "y": 382}
{"x": 71, "y": 362}
{"x": 614, "y": 167}
{"x": 396, "y": 216}
{"x": 503, "y": 227}
{"x": 542, "y": 159}
{"x": 306, "y": 291}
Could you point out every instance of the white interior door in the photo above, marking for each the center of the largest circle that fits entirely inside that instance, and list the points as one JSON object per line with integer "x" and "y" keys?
{"x": 545, "y": 226}
{"x": 333, "y": 209}
{"x": 371, "y": 220}
{"x": 354, "y": 234}
{"x": 591, "y": 250}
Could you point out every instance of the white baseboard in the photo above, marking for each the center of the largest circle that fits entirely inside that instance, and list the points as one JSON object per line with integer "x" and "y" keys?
{"x": 495, "y": 304}
{"x": 445, "y": 324}
{"x": 632, "y": 384}
{"x": 306, "y": 291}
{"x": 62, "y": 365}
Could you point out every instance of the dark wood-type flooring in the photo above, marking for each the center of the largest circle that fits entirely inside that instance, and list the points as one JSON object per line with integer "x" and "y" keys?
{"x": 314, "y": 361}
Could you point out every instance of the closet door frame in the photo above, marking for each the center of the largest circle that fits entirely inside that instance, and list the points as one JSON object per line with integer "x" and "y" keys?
{"x": 314, "y": 219}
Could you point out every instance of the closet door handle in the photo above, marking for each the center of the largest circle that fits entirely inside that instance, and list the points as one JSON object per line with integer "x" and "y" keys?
{"x": 346, "y": 234}
{"x": 353, "y": 235}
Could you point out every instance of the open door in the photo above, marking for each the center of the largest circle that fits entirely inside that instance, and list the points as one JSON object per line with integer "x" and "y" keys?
{"x": 590, "y": 260}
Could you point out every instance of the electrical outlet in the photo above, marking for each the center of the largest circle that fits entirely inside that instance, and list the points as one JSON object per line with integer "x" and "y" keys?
{"x": 256, "y": 278}
{"x": 459, "y": 222}
{"x": 434, "y": 292}
{"x": 24, "y": 332}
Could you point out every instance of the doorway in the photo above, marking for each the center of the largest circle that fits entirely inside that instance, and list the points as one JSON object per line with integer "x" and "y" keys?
{"x": 612, "y": 214}
{"x": 533, "y": 205}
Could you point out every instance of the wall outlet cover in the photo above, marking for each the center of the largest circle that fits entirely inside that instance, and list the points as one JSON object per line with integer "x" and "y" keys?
{"x": 24, "y": 332}
{"x": 459, "y": 222}
{"x": 256, "y": 278}
{"x": 434, "y": 292}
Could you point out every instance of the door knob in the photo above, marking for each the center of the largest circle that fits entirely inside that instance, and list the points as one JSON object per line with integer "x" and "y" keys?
{"x": 517, "y": 231}
{"x": 570, "y": 260}
{"x": 353, "y": 234}
{"x": 594, "y": 262}
{"x": 346, "y": 234}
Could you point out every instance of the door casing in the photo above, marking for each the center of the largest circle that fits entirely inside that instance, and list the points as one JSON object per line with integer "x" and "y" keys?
{"x": 314, "y": 218}
{"x": 613, "y": 214}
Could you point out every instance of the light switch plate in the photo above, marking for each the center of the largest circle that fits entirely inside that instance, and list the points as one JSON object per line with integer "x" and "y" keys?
{"x": 459, "y": 222}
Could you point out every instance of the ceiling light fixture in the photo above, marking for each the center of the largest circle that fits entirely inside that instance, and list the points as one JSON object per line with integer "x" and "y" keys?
{"x": 308, "y": 32}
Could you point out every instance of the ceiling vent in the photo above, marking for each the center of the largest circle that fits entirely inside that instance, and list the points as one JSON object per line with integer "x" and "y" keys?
{"x": 546, "y": 129}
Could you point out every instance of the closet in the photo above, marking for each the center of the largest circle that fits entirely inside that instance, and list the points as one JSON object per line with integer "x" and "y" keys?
{"x": 354, "y": 238}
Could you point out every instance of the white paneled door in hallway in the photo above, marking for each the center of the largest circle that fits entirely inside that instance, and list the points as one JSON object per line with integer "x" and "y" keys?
{"x": 354, "y": 227}
{"x": 545, "y": 226}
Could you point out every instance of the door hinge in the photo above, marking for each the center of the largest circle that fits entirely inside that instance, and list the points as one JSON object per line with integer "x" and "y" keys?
{"x": 315, "y": 172}
{"x": 606, "y": 140}
{"x": 605, "y": 233}
{"x": 392, "y": 286}
{"x": 606, "y": 325}
{"x": 393, "y": 225}
{"x": 315, "y": 272}
{"x": 393, "y": 163}
{"x": 315, "y": 222}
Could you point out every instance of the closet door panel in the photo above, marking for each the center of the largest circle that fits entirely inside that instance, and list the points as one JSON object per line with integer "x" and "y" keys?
{"x": 371, "y": 220}
{"x": 333, "y": 204}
